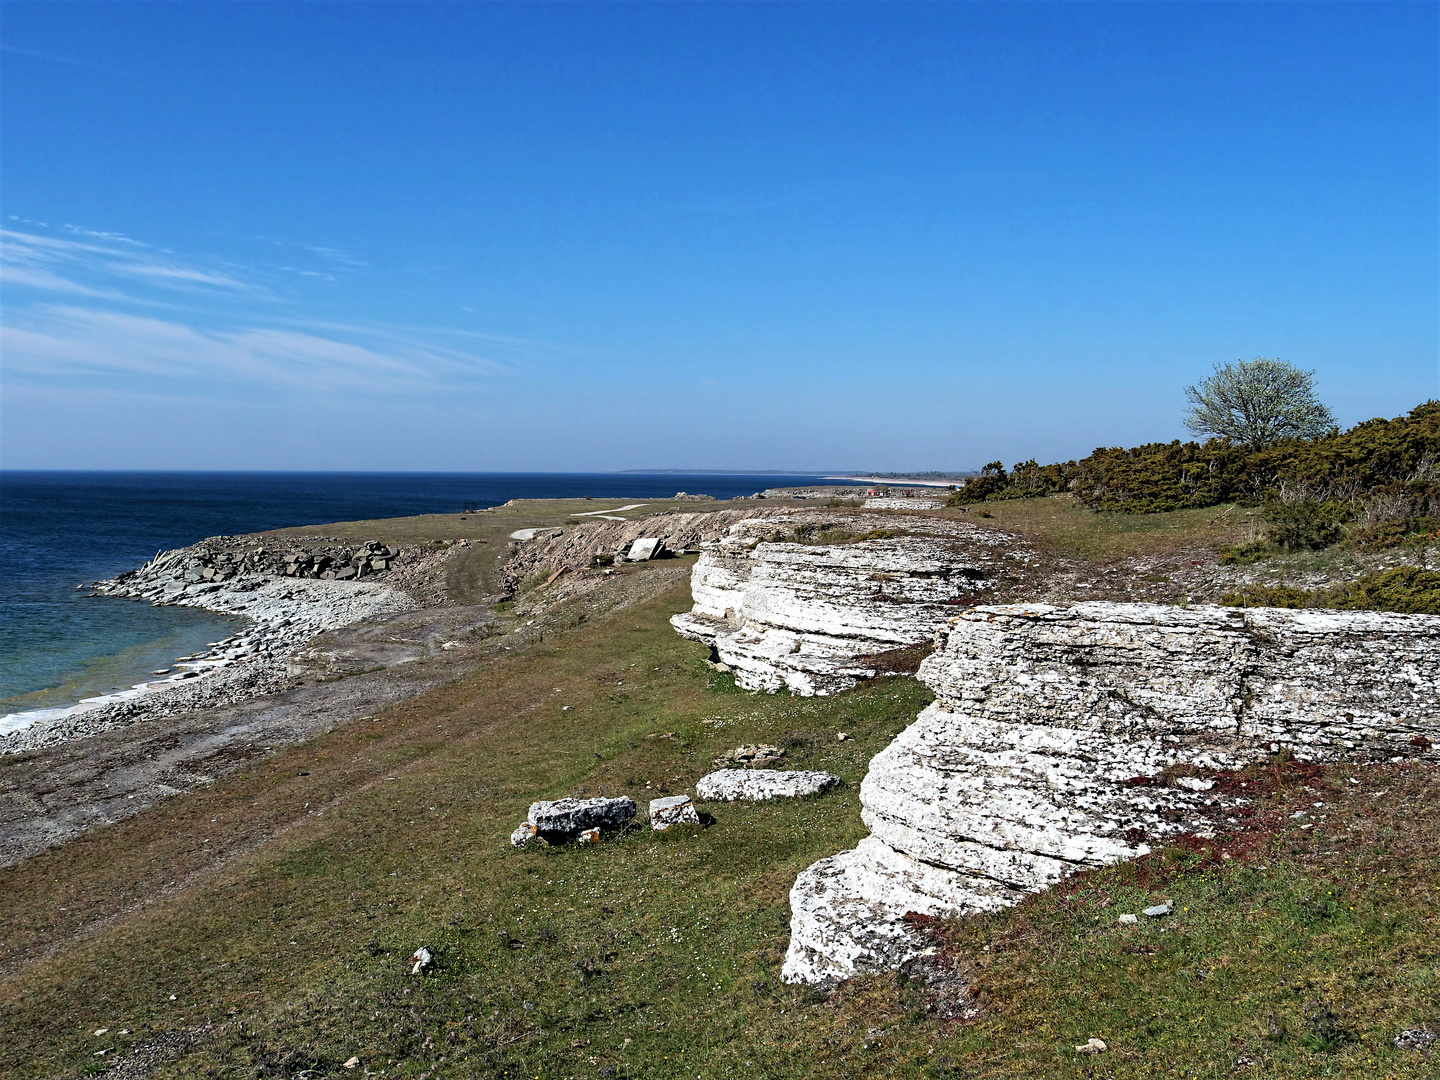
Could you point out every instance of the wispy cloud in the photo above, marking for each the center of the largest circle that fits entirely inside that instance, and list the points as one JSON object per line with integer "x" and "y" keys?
{"x": 56, "y": 58}
{"x": 91, "y": 310}
{"x": 101, "y": 264}
{"x": 63, "y": 342}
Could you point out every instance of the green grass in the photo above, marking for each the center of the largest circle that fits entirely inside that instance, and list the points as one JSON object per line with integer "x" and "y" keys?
{"x": 284, "y": 938}
{"x": 1059, "y": 524}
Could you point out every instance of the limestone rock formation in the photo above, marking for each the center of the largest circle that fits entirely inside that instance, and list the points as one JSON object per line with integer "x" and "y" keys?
{"x": 1039, "y": 755}
{"x": 785, "y": 611}
{"x": 757, "y": 785}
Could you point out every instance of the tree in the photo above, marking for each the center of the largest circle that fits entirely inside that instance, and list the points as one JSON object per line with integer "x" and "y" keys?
{"x": 1258, "y": 402}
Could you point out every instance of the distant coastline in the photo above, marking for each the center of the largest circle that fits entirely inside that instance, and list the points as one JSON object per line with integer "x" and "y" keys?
{"x": 906, "y": 481}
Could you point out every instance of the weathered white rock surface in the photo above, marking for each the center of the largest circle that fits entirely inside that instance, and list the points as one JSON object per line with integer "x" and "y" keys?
{"x": 562, "y": 820}
{"x": 730, "y": 785}
{"x": 900, "y": 502}
{"x": 803, "y": 616}
{"x": 1024, "y": 767}
{"x": 671, "y": 811}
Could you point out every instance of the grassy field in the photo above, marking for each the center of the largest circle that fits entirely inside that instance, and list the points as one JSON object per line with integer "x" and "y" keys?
{"x": 1061, "y": 526}
{"x": 260, "y": 926}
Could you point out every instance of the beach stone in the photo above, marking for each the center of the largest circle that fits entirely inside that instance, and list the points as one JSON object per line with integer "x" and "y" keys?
{"x": 675, "y": 810}
{"x": 565, "y": 819}
{"x": 730, "y": 785}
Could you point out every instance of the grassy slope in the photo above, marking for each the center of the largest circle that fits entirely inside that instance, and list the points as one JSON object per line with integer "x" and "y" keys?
{"x": 284, "y": 937}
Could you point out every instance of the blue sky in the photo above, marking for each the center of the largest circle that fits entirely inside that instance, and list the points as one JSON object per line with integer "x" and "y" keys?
{"x": 475, "y": 237}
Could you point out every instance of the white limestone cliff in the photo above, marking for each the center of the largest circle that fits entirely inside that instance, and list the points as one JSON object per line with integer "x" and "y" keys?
{"x": 1024, "y": 768}
{"x": 803, "y": 616}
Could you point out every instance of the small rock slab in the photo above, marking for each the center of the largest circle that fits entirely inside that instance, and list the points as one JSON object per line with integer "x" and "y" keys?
{"x": 675, "y": 810}
{"x": 646, "y": 548}
{"x": 563, "y": 820}
{"x": 728, "y": 785}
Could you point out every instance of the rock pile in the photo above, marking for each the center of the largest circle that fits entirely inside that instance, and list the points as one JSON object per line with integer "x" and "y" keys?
{"x": 224, "y": 558}
{"x": 804, "y": 615}
{"x": 564, "y": 821}
{"x": 1041, "y": 753}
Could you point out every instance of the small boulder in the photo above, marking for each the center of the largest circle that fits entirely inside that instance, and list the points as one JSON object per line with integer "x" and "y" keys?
{"x": 646, "y": 548}
{"x": 728, "y": 785}
{"x": 563, "y": 820}
{"x": 675, "y": 810}
{"x": 1129, "y": 919}
{"x": 1092, "y": 1046}
{"x": 1159, "y": 909}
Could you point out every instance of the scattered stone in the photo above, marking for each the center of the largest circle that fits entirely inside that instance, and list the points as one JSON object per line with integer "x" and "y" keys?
{"x": 675, "y": 810}
{"x": 728, "y": 785}
{"x": 589, "y": 836}
{"x": 645, "y": 549}
{"x": 842, "y": 736}
{"x": 1092, "y": 1046}
{"x": 564, "y": 820}
{"x": 421, "y": 961}
{"x": 1194, "y": 783}
{"x": 523, "y": 834}
{"x": 1158, "y": 910}
{"x": 1415, "y": 1039}
{"x": 352, "y": 1063}
{"x": 759, "y": 754}
{"x": 1128, "y": 918}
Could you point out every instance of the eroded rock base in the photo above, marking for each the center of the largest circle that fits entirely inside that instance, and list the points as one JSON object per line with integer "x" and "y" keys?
{"x": 1069, "y": 737}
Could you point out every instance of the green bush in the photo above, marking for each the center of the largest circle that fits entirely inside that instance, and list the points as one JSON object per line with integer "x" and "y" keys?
{"x": 1304, "y": 524}
{"x": 1409, "y": 589}
{"x": 1395, "y": 461}
{"x": 1406, "y": 589}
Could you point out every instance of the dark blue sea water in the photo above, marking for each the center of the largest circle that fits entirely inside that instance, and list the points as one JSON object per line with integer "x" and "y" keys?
{"x": 60, "y": 529}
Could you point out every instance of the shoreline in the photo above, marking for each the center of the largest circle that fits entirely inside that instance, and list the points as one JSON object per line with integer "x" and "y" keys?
{"x": 284, "y": 612}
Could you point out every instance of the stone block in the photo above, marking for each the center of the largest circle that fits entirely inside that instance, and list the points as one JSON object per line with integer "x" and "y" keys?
{"x": 675, "y": 810}
{"x": 757, "y": 785}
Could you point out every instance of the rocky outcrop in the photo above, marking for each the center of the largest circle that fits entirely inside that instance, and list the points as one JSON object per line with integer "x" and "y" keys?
{"x": 800, "y": 601}
{"x": 1044, "y": 750}
{"x": 587, "y": 541}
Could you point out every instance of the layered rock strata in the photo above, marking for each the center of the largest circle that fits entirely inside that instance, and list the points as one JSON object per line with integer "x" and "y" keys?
{"x": 803, "y": 615}
{"x": 1042, "y": 752}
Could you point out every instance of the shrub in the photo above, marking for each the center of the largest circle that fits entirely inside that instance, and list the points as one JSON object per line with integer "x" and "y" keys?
{"x": 1304, "y": 524}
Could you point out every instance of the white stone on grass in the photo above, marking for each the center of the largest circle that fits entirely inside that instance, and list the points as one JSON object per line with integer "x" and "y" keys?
{"x": 674, "y": 810}
{"x": 730, "y": 785}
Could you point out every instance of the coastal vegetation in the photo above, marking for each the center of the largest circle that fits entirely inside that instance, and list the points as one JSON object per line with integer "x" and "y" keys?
{"x": 1375, "y": 485}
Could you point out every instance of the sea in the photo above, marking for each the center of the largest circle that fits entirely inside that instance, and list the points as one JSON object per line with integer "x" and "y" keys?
{"x": 59, "y": 530}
